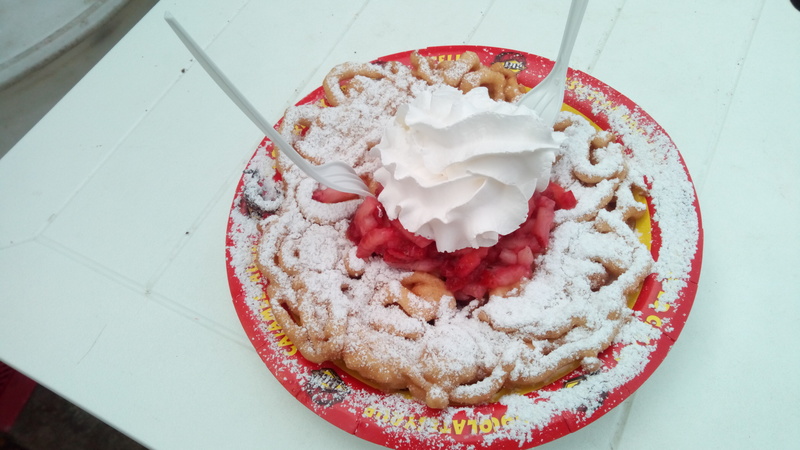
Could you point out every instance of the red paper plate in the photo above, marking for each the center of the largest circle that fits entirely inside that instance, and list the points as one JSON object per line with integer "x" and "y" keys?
{"x": 400, "y": 422}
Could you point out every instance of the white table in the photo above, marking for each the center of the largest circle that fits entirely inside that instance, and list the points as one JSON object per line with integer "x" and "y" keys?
{"x": 35, "y": 32}
{"x": 113, "y": 212}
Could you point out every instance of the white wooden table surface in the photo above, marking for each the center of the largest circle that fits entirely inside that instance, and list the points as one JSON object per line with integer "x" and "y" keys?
{"x": 113, "y": 211}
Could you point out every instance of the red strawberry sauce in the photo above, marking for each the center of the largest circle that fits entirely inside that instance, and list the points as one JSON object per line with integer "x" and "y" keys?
{"x": 470, "y": 272}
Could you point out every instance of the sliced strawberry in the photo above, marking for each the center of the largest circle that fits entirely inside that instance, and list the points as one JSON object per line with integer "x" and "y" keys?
{"x": 468, "y": 260}
{"x": 517, "y": 240}
{"x": 418, "y": 240}
{"x": 508, "y": 256}
{"x": 353, "y": 233}
{"x": 374, "y": 242}
{"x": 328, "y": 195}
{"x": 425, "y": 265}
{"x": 504, "y": 276}
{"x": 472, "y": 290}
{"x": 545, "y": 213}
{"x": 532, "y": 204}
{"x": 535, "y": 247}
{"x": 365, "y": 219}
{"x": 468, "y": 273}
{"x": 525, "y": 257}
{"x": 455, "y": 284}
{"x": 403, "y": 250}
{"x": 564, "y": 199}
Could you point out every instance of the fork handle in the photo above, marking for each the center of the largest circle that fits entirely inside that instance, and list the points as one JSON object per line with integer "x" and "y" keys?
{"x": 240, "y": 100}
{"x": 574, "y": 19}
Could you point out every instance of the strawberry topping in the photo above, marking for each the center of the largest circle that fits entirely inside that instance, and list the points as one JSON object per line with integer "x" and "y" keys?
{"x": 470, "y": 272}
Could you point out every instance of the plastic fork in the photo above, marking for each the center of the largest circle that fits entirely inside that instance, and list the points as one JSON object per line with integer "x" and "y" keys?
{"x": 336, "y": 175}
{"x": 547, "y": 97}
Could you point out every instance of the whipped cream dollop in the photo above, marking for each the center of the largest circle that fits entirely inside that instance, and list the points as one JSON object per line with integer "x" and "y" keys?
{"x": 460, "y": 168}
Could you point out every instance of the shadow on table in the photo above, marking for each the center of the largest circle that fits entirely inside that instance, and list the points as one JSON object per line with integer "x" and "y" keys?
{"x": 49, "y": 422}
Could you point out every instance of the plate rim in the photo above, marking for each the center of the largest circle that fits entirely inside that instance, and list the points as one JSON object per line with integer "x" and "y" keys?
{"x": 252, "y": 322}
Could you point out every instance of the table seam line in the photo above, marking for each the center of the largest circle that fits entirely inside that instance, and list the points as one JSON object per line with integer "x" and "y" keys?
{"x": 296, "y": 92}
{"x": 200, "y": 319}
{"x": 94, "y": 342}
{"x": 148, "y": 294}
{"x": 104, "y": 159}
{"x": 474, "y": 29}
{"x": 91, "y": 264}
{"x": 12, "y": 244}
{"x": 205, "y": 213}
{"x": 627, "y": 406}
{"x": 742, "y": 61}
{"x": 604, "y": 39}
{"x": 159, "y": 98}
{"x": 176, "y": 250}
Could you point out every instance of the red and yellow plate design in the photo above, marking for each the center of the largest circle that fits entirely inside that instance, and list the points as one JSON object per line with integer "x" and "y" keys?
{"x": 402, "y": 423}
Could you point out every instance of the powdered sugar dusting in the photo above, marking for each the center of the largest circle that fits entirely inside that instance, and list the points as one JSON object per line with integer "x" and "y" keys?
{"x": 657, "y": 159}
{"x": 309, "y": 236}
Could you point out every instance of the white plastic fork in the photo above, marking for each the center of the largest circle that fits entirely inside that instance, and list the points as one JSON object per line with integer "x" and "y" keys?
{"x": 547, "y": 97}
{"x": 336, "y": 175}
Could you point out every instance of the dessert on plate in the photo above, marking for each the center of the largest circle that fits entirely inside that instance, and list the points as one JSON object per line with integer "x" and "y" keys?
{"x": 497, "y": 253}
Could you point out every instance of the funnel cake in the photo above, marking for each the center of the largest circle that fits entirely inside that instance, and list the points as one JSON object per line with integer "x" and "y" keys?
{"x": 404, "y": 330}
